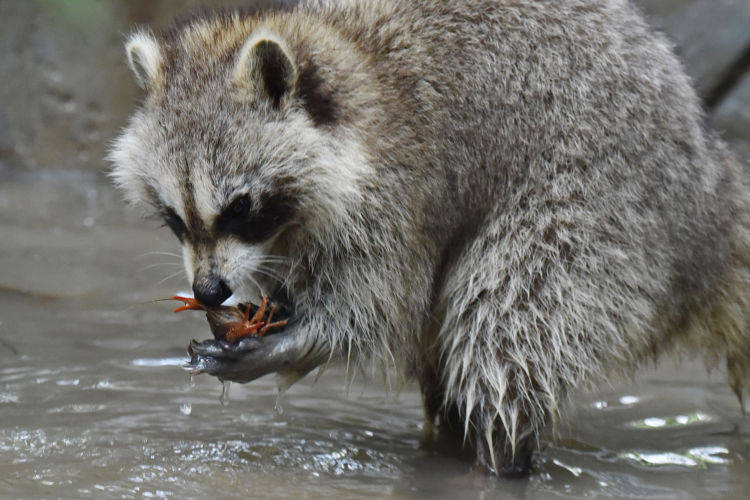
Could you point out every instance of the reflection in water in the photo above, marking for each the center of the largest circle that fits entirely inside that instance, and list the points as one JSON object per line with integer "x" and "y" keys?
{"x": 628, "y": 400}
{"x": 156, "y": 362}
{"x": 694, "y": 457}
{"x": 676, "y": 421}
{"x": 576, "y": 471}
{"x": 8, "y": 397}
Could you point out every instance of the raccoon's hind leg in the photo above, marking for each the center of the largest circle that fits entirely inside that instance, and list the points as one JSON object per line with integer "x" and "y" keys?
{"x": 728, "y": 325}
{"x": 722, "y": 330}
{"x": 738, "y": 370}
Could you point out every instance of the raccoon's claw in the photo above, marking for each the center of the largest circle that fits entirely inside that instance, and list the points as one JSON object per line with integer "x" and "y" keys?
{"x": 206, "y": 348}
{"x": 248, "y": 359}
{"x": 236, "y": 349}
{"x": 222, "y": 348}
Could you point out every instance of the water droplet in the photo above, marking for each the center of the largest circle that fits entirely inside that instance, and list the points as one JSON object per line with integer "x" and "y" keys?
{"x": 277, "y": 407}
{"x": 186, "y": 409}
{"x": 191, "y": 381}
{"x": 224, "y": 399}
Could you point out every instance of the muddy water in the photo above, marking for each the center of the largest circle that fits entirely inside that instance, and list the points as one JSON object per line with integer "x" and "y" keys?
{"x": 93, "y": 402}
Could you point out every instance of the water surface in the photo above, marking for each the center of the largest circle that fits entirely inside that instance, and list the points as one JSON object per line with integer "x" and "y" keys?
{"x": 93, "y": 402}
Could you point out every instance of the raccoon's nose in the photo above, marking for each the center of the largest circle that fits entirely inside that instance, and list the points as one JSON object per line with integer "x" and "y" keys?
{"x": 211, "y": 290}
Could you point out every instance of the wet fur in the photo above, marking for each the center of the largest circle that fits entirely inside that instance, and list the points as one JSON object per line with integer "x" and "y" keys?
{"x": 507, "y": 199}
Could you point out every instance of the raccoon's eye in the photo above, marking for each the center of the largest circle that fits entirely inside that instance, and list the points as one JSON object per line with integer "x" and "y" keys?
{"x": 175, "y": 223}
{"x": 240, "y": 220}
{"x": 241, "y": 206}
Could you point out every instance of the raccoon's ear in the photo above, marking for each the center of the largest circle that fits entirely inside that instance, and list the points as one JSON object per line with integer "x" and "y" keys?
{"x": 265, "y": 66}
{"x": 144, "y": 58}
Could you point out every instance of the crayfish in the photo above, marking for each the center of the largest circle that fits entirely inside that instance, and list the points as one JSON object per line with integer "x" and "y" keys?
{"x": 232, "y": 323}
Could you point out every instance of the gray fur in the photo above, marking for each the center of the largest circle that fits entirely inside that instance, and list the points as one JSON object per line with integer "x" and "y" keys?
{"x": 505, "y": 198}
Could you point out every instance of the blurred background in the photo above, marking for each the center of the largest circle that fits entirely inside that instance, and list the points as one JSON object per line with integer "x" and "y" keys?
{"x": 66, "y": 89}
{"x": 92, "y": 400}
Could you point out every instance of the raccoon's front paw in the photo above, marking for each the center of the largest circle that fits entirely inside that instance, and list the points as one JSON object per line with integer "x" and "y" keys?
{"x": 500, "y": 457}
{"x": 248, "y": 359}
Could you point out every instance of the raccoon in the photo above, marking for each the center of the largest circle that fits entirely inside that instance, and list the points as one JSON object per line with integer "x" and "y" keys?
{"x": 504, "y": 199}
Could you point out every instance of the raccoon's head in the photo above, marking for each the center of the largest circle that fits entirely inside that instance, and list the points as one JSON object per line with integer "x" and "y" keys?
{"x": 238, "y": 148}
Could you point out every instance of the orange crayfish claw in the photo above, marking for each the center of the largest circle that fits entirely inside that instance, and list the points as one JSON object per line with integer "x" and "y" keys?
{"x": 190, "y": 304}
